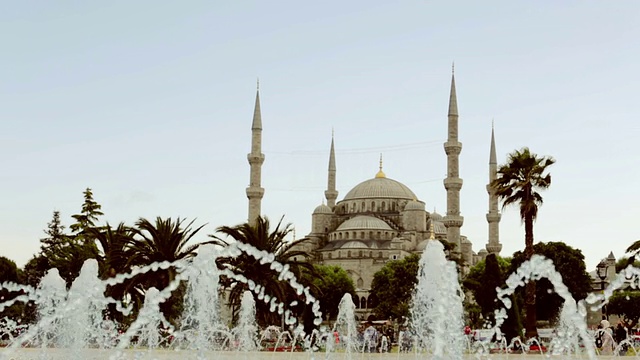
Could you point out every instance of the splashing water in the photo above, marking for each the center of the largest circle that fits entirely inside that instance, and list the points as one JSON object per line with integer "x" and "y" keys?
{"x": 246, "y": 332}
{"x": 436, "y": 307}
{"x": 345, "y": 333}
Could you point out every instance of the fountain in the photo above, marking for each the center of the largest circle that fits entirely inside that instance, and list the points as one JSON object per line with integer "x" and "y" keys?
{"x": 72, "y": 324}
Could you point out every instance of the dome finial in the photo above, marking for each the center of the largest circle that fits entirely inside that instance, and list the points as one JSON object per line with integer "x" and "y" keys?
{"x": 380, "y": 173}
{"x": 432, "y": 233}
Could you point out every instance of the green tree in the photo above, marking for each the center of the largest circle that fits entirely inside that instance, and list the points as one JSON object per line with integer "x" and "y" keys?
{"x": 518, "y": 183}
{"x": 261, "y": 237}
{"x": 63, "y": 251}
{"x": 633, "y": 250}
{"x": 624, "y": 261}
{"x": 164, "y": 240}
{"x": 113, "y": 258}
{"x": 88, "y": 215}
{"x": 393, "y": 287}
{"x": 56, "y": 239}
{"x": 569, "y": 262}
{"x": 331, "y": 282}
{"x": 625, "y": 305}
{"x": 9, "y": 272}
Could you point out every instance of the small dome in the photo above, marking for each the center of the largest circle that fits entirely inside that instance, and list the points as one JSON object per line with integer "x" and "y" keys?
{"x": 438, "y": 227}
{"x": 414, "y": 205}
{"x": 464, "y": 240}
{"x": 435, "y": 216}
{"x": 323, "y": 209}
{"x": 380, "y": 187}
{"x": 483, "y": 252}
{"x": 364, "y": 223}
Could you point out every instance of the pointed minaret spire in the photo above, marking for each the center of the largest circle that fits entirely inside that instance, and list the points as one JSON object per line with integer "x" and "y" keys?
{"x": 493, "y": 216}
{"x": 331, "y": 193}
{"x": 255, "y": 192}
{"x": 453, "y": 183}
{"x": 453, "y": 100}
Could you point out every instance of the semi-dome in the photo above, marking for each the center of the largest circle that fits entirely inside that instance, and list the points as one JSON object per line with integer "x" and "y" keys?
{"x": 414, "y": 205}
{"x": 323, "y": 209}
{"x": 354, "y": 245}
{"x": 364, "y": 223}
{"x": 380, "y": 187}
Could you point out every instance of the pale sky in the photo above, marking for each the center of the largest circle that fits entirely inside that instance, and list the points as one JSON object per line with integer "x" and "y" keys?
{"x": 150, "y": 104}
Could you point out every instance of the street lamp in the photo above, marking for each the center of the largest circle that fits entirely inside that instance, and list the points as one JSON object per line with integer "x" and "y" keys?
{"x": 601, "y": 271}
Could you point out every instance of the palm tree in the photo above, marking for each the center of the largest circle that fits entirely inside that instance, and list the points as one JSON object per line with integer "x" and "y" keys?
{"x": 517, "y": 183}
{"x": 164, "y": 240}
{"x": 634, "y": 250}
{"x": 260, "y": 237}
{"x": 113, "y": 258}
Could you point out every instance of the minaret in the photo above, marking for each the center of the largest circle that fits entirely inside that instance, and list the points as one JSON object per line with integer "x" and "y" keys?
{"x": 452, "y": 220}
{"x": 331, "y": 193}
{"x": 256, "y": 158}
{"x": 493, "y": 216}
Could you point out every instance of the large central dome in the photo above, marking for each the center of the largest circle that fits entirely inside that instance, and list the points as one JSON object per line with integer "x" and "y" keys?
{"x": 380, "y": 187}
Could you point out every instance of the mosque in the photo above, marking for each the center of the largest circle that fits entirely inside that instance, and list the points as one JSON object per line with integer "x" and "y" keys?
{"x": 381, "y": 219}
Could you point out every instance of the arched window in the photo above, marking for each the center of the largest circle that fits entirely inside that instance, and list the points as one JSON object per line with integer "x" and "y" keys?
{"x": 371, "y": 302}
{"x": 393, "y": 206}
{"x": 373, "y": 206}
{"x": 356, "y": 302}
{"x": 360, "y": 283}
{"x": 349, "y": 253}
{"x": 329, "y": 255}
{"x": 340, "y": 236}
{"x": 371, "y": 235}
{"x": 340, "y": 254}
{"x": 370, "y": 254}
{"x": 362, "y": 235}
{"x": 353, "y": 207}
{"x": 380, "y": 254}
{"x": 384, "y": 206}
{"x": 364, "y": 206}
{"x": 360, "y": 253}
{"x": 363, "y": 303}
{"x": 346, "y": 235}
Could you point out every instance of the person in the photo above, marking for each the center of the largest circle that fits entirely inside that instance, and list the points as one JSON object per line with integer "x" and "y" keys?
{"x": 607, "y": 338}
{"x": 620, "y": 335}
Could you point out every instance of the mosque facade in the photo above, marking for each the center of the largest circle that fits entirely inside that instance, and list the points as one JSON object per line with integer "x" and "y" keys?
{"x": 381, "y": 219}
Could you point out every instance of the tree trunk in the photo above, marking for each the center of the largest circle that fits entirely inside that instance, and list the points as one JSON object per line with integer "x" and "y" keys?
{"x": 530, "y": 289}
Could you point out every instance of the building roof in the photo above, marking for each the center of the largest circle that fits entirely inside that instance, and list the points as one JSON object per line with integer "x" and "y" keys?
{"x": 323, "y": 209}
{"x": 414, "y": 205}
{"x": 362, "y": 222}
{"x": 380, "y": 187}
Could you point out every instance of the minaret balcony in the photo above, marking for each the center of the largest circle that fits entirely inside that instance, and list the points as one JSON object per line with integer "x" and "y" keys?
{"x": 452, "y": 183}
{"x": 493, "y": 217}
{"x": 453, "y": 221}
{"x": 452, "y": 147}
{"x": 255, "y": 159}
{"x": 255, "y": 192}
{"x": 494, "y": 248}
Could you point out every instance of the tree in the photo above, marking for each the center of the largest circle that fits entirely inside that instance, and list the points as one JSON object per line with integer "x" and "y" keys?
{"x": 113, "y": 259}
{"x": 393, "y": 287}
{"x": 569, "y": 262}
{"x": 625, "y": 305}
{"x": 88, "y": 215}
{"x": 9, "y": 273}
{"x": 262, "y": 238}
{"x": 483, "y": 280}
{"x": 164, "y": 240}
{"x": 64, "y": 252}
{"x": 518, "y": 183}
{"x": 56, "y": 239}
{"x": 633, "y": 250}
{"x": 331, "y": 282}
{"x": 623, "y": 262}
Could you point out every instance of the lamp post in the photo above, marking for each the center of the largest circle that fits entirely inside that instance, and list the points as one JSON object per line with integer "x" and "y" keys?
{"x": 601, "y": 271}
